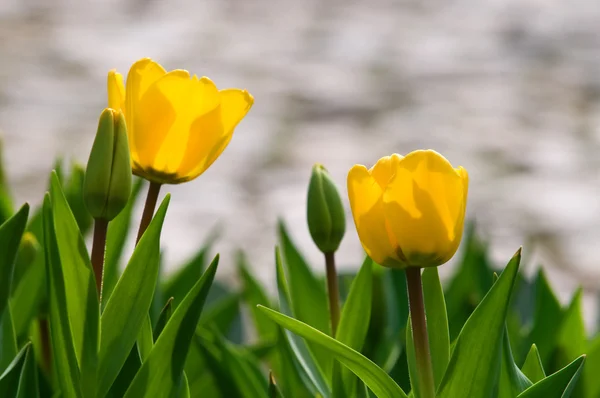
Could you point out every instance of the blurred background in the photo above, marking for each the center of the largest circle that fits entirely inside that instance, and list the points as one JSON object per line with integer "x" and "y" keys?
{"x": 509, "y": 89}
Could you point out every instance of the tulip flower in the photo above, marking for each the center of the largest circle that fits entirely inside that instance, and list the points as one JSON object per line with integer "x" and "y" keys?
{"x": 177, "y": 125}
{"x": 409, "y": 211}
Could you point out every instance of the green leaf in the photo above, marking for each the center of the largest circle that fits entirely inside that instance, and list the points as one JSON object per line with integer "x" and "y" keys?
{"x": 163, "y": 318}
{"x": 8, "y": 341}
{"x": 9, "y": 380}
{"x": 302, "y": 352}
{"x": 79, "y": 284}
{"x": 115, "y": 243}
{"x": 382, "y": 385}
{"x": 6, "y": 205}
{"x": 126, "y": 374}
{"x": 547, "y": 318}
{"x": 129, "y": 303}
{"x": 309, "y": 308}
{"x": 557, "y": 385}
{"x": 161, "y": 373}
{"x": 274, "y": 391}
{"x": 294, "y": 379}
{"x": 592, "y": 369}
{"x": 221, "y": 314}
{"x": 74, "y": 195}
{"x": 254, "y": 294}
{"x": 178, "y": 285}
{"x": 475, "y": 363}
{"x": 28, "y": 381}
{"x": 10, "y": 238}
{"x": 145, "y": 340}
{"x": 572, "y": 340}
{"x": 532, "y": 367}
{"x": 63, "y": 348}
{"x": 437, "y": 322}
{"x": 354, "y": 320}
{"x": 512, "y": 380}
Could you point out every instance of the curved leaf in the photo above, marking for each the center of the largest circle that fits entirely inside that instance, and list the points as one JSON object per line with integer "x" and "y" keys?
{"x": 382, "y": 385}
{"x": 557, "y": 385}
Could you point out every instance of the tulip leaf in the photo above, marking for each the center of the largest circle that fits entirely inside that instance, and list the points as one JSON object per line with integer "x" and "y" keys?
{"x": 254, "y": 294}
{"x": 126, "y": 374}
{"x": 274, "y": 391}
{"x": 557, "y": 385}
{"x": 115, "y": 243}
{"x": 180, "y": 283}
{"x": 9, "y": 379}
{"x": 11, "y": 232}
{"x": 80, "y": 285}
{"x": 61, "y": 337}
{"x": 437, "y": 322}
{"x": 74, "y": 195}
{"x": 294, "y": 379}
{"x": 532, "y": 367}
{"x": 145, "y": 340}
{"x": 161, "y": 374}
{"x": 475, "y": 362}
{"x": 354, "y": 321}
{"x": 592, "y": 369}
{"x": 512, "y": 381}
{"x": 380, "y": 383}
{"x": 572, "y": 340}
{"x": 309, "y": 308}
{"x": 128, "y": 306}
{"x": 298, "y": 346}
{"x": 28, "y": 380}
{"x": 163, "y": 318}
{"x": 547, "y": 317}
{"x": 8, "y": 341}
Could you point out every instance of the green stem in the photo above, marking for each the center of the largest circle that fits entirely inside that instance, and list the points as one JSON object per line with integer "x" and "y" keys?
{"x": 333, "y": 290}
{"x": 149, "y": 207}
{"x": 420, "y": 336}
{"x": 98, "y": 249}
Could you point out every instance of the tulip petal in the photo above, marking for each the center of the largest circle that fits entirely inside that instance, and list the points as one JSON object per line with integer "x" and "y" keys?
{"x": 141, "y": 75}
{"x": 366, "y": 203}
{"x": 384, "y": 169}
{"x": 425, "y": 203}
{"x": 116, "y": 91}
{"x": 210, "y": 134}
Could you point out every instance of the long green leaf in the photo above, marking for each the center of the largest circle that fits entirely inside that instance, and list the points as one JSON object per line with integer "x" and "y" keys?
{"x": 557, "y": 385}
{"x": 354, "y": 321}
{"x": 161, "y": 373}
{"x": 592, "y": 369}
{"x": 512, "y": 380}
{"x": 28, "y": 381}
{"x": 274, "y": 391}
{"x": 9, "y": 379}
{"x": 300, "y": 349}
{"x": 163, "y": 318}
{"x": 129, "y": 303}
{"x": 10, "y": 238}
{"x": 254, "y": 294}
{"x": 547, "y": 318}
{"x": 532, "y": 367}
{"x": 382, "y": 385}
{"x": 80, "y": 286}
{"x": 115, "y": 243}
{"x": 63, "y": 348}
{"x": 437, "y": 322}
{"x": 475, "y": 363}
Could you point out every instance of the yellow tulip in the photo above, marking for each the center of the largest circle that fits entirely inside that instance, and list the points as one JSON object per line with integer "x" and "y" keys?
{"x": 177, "y": 125}
{"x": 409, "y": 211}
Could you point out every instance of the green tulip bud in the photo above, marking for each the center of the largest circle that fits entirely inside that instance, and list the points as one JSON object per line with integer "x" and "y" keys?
{"x": 324, "y": 211}
{"x": 107, "y": 182}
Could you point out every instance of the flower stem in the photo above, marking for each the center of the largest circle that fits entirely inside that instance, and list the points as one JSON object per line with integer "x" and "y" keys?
{"x": 420, "y": 336}
{"x": 98, "y": 248}
{"x": 149, "y": 207}
{"x": 333, "y": 290}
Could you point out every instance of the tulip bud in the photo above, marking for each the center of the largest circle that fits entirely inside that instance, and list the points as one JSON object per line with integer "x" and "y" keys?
{"x": 107, "y": 183}
{"x": 325, "y": 212}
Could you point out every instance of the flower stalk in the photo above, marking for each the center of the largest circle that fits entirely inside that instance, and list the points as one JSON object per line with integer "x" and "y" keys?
{"x": 419, "y": 332}
{"x": 98, "y": 250}
{"x": 333, "y": 291}
{"x": 149, "y": 208}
